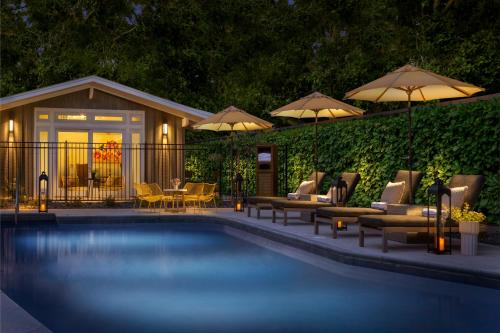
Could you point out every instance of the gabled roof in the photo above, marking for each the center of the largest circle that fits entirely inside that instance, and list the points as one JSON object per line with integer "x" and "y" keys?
{"x": 107, "y": 86}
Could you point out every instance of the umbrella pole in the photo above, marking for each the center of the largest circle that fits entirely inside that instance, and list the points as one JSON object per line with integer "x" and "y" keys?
{"x": 316, "y": 151}
{"x": 232, "y": 167}
{"x": 410, "y": 150}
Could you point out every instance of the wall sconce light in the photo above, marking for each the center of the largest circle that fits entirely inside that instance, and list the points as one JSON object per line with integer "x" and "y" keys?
{"x": 164, "y": 128}
{"x": 11, "y": 125}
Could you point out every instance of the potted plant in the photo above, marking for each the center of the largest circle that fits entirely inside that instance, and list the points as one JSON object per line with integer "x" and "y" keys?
{"x": 468, "y": 225}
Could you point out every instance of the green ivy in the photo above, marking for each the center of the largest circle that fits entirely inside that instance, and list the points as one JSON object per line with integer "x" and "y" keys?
{"x": 456, "y": 139}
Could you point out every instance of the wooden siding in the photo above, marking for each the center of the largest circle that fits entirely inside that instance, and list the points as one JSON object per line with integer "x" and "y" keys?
{"x": 173, "y": 166}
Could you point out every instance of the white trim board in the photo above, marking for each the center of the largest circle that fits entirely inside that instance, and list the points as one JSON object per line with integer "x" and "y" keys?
{"x": 111, "y": 87}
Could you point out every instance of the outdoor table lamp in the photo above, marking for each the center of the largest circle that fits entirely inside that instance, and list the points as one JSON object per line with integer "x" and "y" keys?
{"x": 341, "y": 195}
{"x": 238, "y": 193}
{"x": 440, "y": 244}
{"x": 43, "y": 181}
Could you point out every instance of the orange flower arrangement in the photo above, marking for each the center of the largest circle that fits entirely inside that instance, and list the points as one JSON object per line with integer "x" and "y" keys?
{"x": 110, "y": 152}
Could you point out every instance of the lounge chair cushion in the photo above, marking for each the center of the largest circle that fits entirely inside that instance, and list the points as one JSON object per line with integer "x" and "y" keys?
{"x": 403, "y": 175}
{"x": 262, "y": 200}
{"x": 347, "y": 211}
{"x": 457, "y": 197}
{"x": 393, "y": 192}
{"x": 352, "y": 179}
{"x": 395, "y": 221}
{"x": 299, "y": 204}
{"x": 474, "y": 184}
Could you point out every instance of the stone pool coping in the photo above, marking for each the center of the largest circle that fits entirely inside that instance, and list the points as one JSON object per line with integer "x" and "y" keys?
{"x": 465, "y": 275}
{"x": 14, "y": 319}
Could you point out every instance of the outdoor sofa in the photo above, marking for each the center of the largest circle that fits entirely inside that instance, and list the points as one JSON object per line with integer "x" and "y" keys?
{"x": 414, "y": 221}
{"x": 310, "y": 205}
{"x": 350, "y": 215}
{"x": 263, "y": 202}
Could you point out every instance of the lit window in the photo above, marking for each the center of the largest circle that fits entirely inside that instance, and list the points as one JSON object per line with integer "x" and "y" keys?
{"x": 136, "y": 119}
{"x": 43, "y": 116}
{"x": 72, "y": 117}
{"x": 108, "y": 118}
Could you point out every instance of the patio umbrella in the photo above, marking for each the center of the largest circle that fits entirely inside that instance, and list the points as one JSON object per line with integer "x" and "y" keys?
{"x": 232, "y": 120}
{"x": 410, "y": 83}
{"x": 317, "y": 105}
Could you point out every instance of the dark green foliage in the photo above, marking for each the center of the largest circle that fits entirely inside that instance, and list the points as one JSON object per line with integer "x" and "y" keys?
{"x": 255, "y": 54}
{"x": 457, "y": 139}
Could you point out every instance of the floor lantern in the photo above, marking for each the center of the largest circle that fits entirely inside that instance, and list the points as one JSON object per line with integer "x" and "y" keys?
{"x": 43, "y": 197}
{"x": 440, "y": 244}
{"x": 238, "y": 193}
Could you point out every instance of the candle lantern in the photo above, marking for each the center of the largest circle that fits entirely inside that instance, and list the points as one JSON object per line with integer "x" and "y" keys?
{"x": 238, "y": 193}
{"x": 341, "y": 196}
{"x": 43, "y": 182}
{"x": 340, "y": 191}
{"x": 438, "y": 243}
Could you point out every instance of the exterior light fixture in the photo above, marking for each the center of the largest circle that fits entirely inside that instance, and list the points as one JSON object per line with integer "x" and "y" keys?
{"x": 439, "y": 245}
{"x": 11, "y": 125}
{"x": 340, "y": 186}
{"x": 341, "y": 225}
{"x": 341, "y": 191}
{"x": 238, "y": 193}
{"x": 43, "y": 198}
{"x": 164, "y": 128}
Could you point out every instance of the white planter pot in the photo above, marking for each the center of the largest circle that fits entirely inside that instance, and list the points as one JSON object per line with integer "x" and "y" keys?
{"x": 468, "y": 238}
{"x": 469, "y": 227}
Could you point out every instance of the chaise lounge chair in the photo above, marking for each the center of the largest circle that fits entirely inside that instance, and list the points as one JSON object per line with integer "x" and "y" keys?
{"x": 350, "y": 215}
{"x": 285, "y": 206}
{"x": 261, "y": 202}
{"x": 414, "y": 221}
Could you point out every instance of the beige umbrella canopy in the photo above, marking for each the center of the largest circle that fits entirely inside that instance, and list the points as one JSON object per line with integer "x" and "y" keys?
{"x": 317, "y": 105}
{"x": 410, "y": 83}
{"x": 232, "y": 119}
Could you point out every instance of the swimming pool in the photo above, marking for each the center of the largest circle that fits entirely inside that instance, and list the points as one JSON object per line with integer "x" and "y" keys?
{"x": 200, "y": 277}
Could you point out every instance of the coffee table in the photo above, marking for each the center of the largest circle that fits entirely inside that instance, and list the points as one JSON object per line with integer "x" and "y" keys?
{"x": 177, "y": 198}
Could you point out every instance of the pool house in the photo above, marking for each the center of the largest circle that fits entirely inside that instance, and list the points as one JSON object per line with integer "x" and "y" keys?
{"x": 93, "y": 137}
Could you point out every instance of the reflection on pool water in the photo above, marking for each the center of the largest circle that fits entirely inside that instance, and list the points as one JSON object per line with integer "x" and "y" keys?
{"x": 188, "y": 277}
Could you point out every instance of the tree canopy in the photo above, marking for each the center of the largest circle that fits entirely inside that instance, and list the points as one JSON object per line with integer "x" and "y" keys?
{"x": 256, "y": 54}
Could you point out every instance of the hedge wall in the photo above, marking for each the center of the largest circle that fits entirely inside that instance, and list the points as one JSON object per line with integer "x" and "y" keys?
{"x": 456, "y": 139}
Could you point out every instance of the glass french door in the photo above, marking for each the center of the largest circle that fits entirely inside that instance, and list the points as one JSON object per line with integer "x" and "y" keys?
{"x": 107, "y": 160}
{"x": 89, "y": 164}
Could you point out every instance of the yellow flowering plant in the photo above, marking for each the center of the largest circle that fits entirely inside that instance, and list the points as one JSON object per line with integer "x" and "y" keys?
{"x": 466, "y": 214}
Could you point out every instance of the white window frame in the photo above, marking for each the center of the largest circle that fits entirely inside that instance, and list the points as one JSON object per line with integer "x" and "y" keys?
{"x": 54, "y": 125}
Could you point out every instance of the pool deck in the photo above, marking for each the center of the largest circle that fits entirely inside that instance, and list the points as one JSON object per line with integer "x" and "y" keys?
{"x": 483, "y": 269}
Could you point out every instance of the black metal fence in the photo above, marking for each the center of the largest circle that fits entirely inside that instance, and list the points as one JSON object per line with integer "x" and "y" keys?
{"x": 101, "y": 171}
{"x": 88, "y": 171}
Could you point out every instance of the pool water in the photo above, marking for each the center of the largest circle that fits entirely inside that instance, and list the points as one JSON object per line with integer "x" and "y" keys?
{"x": 196, "y": 277}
